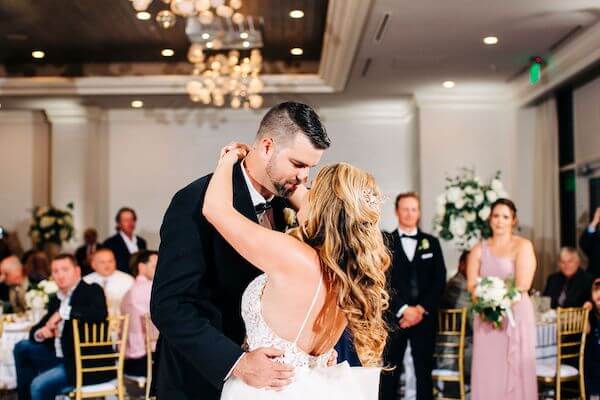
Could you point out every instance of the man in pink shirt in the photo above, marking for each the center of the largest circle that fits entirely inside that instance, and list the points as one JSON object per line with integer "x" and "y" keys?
{"x": 136, "y": 303}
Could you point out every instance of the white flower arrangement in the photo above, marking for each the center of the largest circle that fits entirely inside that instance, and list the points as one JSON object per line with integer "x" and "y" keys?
{"x": 494, "y": 298}
{"x": 464, "y": 207}
{"x": 38, "y": 297}
{"x": 50, "y": 224}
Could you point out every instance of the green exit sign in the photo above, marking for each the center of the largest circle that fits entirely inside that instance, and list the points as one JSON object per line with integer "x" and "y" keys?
{"x": 535, "y": 73}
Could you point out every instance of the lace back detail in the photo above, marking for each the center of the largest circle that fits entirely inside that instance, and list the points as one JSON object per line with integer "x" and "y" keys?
{"x": 259, "y": 334}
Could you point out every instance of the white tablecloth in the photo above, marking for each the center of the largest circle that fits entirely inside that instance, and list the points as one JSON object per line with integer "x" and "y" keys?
{"x": 13, "y": 333}
{"x": 546, "y": 341}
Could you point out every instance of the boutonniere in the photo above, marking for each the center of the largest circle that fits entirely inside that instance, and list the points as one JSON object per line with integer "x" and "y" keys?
{"x": 289, "y": 215}
{"x": 424, "y": 244}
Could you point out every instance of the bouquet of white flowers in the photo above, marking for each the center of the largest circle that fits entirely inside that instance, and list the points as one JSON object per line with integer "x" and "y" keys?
{"x": 494, "y": 298}
{"x": 51, "y": 225}
{"x": 38, "y": 297}
{"x": 464, "y": 207}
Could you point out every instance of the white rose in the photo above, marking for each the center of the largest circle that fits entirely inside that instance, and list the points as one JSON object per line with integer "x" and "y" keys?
{"x": 63, "y": 234}
{"x": 441, "y": 200}
{"x": 46, "y": 222}
{"x": 49, "y": 287}
{"x": 458, "y": 226}
{"x": 441, "y": 210}
{"x": 497, "y": 185}
{"x": 39, "y": 301}
{"x": 473, "y": 240}
{"x": 470, "y": 190}
{"x": 478, "y": 198}
{"x": 484, "y": 213}
{"x": 470, "y": 216}
{"x": 69, "y": 220}
{"x": 453, "y": 194}
{"x": 491, "y": 196}
{"x": 459, "y": 203}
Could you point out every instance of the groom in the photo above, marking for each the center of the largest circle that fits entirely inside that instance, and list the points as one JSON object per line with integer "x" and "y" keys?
{"x": 200, "y": 278}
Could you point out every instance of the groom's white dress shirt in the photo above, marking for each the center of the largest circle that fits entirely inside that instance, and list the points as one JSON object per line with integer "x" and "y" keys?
{"x": 409, "y": 245}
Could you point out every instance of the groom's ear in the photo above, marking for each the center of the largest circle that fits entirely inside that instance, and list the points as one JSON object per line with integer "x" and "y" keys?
{"x": 266, "y": 145}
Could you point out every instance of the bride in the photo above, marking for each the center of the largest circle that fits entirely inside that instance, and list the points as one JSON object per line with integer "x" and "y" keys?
{"x": 323, "y": 277}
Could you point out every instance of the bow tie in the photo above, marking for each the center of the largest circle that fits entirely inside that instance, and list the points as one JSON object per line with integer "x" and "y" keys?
{"x": 404, "y": 235}
{"x": 262, "y": 207}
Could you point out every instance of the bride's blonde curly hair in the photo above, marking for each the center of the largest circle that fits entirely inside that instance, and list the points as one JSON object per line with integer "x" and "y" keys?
{"x": 342, "y": 224}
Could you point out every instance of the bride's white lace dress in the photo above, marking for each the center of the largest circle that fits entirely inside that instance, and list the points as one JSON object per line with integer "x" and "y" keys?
{"x": 313, "y": 379}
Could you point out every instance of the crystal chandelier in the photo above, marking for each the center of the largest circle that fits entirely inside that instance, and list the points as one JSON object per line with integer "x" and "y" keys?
{"x": 205, "y": 10}
{"x": 220, "y": 77}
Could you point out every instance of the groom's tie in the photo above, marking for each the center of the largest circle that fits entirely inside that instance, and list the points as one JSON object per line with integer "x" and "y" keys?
{"x": 264, "y": 214}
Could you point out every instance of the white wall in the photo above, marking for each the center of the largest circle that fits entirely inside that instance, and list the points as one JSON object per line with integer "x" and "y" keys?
{"x": 486, "y": 137}
{"x": 23, "y": 168}
{"x": 153, "y": 153}
{"x": 586, "y": 112}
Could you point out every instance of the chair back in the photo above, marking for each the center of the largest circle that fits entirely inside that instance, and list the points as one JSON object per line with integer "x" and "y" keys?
{"x": 450, "y": 340}
{"x": 151, "y": 339}
{"x": 111, "y": 335}
{"x": 570, "y": 335}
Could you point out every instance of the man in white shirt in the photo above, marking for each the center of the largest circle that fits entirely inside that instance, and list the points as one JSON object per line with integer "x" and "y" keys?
{"x": 45, "y": 362}
{"x": 125, "y": 242}
{"x": 114, "y": 282}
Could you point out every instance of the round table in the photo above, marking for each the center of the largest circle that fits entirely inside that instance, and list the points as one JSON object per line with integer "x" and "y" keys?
{"x": 13, "y": 333}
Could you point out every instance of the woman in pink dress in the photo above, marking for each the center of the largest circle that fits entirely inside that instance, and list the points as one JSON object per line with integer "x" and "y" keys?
{"x": 503, "y": 364}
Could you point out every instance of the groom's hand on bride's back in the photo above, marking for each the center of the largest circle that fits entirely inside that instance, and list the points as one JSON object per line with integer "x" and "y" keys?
{"x": 259, "y": 369}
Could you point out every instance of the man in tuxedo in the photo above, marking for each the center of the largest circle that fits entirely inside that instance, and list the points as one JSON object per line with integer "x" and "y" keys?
{"x": 590, "y": 244}
{"x": 84, "y": 253}
{"x": 125, "y": 242}
{"x": 570, "y": 286}
{"x": 200, "y": 278}
{"x": 417, "y": 280}
{"x": 45, "y": 362}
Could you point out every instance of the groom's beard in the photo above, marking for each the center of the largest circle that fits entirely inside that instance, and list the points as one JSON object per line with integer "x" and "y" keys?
{"x": 282, "y": 189}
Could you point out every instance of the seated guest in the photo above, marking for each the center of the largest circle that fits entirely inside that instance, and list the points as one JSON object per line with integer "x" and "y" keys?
{"x": 592, "y": 354}
{"x": 36, "y": 265}
{"x": 136, "y": 303}
{"x": 12, "y": 274}
{"x": 85, "y": 252}
{"x": 45, "y": 363}
{"x": 570, "y": 286}
{"x": 590, "y": 244}
{"x": 124, "y": 243}
{"x": 114, "y": 282}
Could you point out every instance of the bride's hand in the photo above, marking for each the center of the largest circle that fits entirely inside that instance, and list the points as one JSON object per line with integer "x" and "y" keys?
{"x": 233, "y": 152}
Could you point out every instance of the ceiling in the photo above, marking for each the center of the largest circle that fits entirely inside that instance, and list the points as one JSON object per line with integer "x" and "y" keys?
{"x": 78, "y": 37}
{"x": 427, "y": 42}
{"x": 423, "y": 43}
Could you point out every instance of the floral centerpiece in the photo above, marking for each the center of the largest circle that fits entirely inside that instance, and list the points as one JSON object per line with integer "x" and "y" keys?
{"x": 38, "y": 296}
{"x": 51, "y": 225}
{"x": 493, "y": 300}
{"x": 464, "y": 207}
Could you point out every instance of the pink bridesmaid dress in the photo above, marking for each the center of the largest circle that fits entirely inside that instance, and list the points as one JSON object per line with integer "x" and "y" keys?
{"x": 503, "y": 365}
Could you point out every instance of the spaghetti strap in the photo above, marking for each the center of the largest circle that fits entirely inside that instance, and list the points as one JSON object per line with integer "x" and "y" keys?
{"x": 310, "y": 309}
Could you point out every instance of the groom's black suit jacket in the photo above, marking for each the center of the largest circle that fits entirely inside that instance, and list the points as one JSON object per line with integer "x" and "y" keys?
{"x": 197, "y": 291}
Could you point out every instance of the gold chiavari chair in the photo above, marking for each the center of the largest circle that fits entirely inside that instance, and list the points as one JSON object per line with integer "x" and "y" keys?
{"x": 450, "y": 341}
{"x": 570, "y": 341}
{"x": 111, "y": 335}
{"x": 151, "y": 338}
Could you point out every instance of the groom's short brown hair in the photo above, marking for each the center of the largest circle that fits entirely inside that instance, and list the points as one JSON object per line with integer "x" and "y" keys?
{"x": 406, "y": 195}
{"x": 284, "y": 120}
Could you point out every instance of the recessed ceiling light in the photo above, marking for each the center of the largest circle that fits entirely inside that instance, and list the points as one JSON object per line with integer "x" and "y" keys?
{"x": 246, "y": 44}
{"x": 143, "y": 15}
{"x": 167, "y": 52}
{"x": 209, "y": 45}
{"x": 449, "y": 84}
{"x": 38, "y": 54}
{"x": 296, "y": 14}
{"x": 297, "y": 51}
{"x": 490, "y": 40}
{"x": 137, "y": 104}
{"x": 244, "y": 35}
{"x": 205, "y": 35}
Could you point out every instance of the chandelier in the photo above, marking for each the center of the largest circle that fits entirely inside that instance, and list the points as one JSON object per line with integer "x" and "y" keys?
{"x": 205, "y": 10}
{"x": 220, "y": 77}
{"x": 217, "y": 25}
